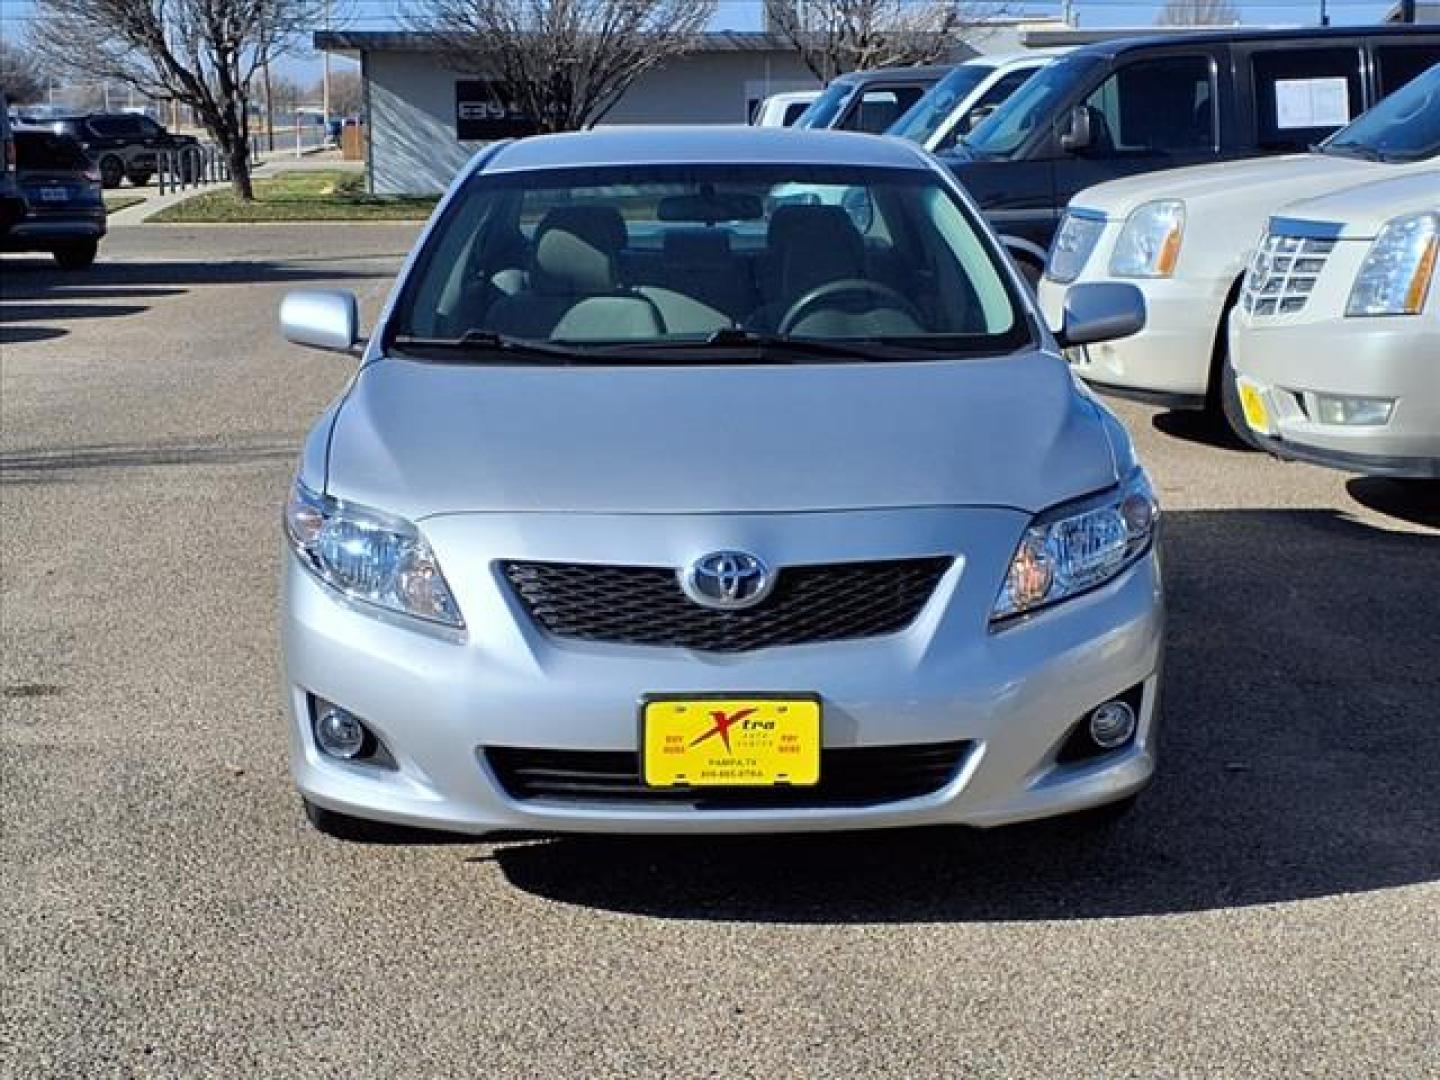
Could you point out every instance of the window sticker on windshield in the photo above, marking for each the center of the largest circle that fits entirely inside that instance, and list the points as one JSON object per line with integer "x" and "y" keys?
{"x": 1312, "y": 103}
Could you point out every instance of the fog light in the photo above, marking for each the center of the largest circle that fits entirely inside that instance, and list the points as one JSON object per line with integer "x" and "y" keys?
{"x": 1352, "y": 411}
{"x": 339, "y": 734}
{"x": 1112, "y": 724}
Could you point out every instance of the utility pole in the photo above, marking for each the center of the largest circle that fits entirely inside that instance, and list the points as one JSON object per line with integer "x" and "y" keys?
{"x": 1324, "y": 14}
{"x": 325, "y": 76}
{"x": 1407, "y": 11}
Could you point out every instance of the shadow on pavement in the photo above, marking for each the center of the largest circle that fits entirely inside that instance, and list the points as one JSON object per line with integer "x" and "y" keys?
{"x": 1299, "y": 758}
{"x": 1415, "y": 501}
{"x": 18, "y": 335}
{"x": 1203, "y": 428}
{"x": 39, "y": 280}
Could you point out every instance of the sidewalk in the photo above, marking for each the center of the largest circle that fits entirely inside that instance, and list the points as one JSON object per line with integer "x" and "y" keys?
{"x": 153, "y": 204}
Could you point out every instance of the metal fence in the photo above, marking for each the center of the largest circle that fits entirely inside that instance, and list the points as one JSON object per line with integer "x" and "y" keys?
{"x": 192, "y": 166}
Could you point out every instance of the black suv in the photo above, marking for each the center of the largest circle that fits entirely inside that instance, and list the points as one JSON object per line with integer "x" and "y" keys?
{"x": 122, "y": 145}
{"x": 1139, "y": 105}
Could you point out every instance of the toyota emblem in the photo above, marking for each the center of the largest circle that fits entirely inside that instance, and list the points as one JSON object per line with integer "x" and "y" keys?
{"x": 727, "y": 580}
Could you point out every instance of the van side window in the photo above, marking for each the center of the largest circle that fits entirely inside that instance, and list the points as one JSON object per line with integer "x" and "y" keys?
{"x": 1154, "y": 106}
{"x": 1302, "y": 95}
{"x": 1398, "y": 64}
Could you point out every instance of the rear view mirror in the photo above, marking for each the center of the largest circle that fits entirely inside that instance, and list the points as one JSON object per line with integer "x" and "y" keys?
{"x": 1077, "y": 135}
{"x": 1101, "y": 311}
{"x": 321, "y": 319}
{"x": 710, "y": 206}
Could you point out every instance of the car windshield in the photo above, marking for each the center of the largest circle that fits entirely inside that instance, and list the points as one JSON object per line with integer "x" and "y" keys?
{"x": 1004, "y": 131}
{"x": 757, "y": 257}
{"x": 1403, "y": 127}
{"x": 927, "y": 114}
{"x": 44, "y": 150}
{"x": 824, "y": 110}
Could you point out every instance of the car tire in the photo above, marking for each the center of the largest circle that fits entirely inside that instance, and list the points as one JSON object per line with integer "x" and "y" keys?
{"x": 77, "y": 256}
{"x": 139, "y": 179}
{"x": 1230, "y": 408}
{"x": 112, "y": 171}
{"x": 1031, "y": 273}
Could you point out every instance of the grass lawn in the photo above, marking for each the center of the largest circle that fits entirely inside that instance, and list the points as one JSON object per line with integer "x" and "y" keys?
{"x": 300, "y": 196}
{"x": 120, "y": 202}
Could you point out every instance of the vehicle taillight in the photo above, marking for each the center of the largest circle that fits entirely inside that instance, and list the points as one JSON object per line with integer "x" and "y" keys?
{"x": 9, "y": 154}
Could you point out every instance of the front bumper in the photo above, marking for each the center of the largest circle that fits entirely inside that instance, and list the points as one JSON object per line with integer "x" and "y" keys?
{"x": 436, "y": 703}
{"x": 1169, "y": 362}
{"x": 1288, "y": 363}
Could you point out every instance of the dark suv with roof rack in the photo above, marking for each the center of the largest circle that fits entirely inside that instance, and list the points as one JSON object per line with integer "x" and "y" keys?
{"x": 1138, "y": 105}
{"x": 124, "y": 146}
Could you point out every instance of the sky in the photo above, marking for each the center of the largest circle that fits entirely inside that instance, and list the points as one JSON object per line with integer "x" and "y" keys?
{"x": 15, "y": 15}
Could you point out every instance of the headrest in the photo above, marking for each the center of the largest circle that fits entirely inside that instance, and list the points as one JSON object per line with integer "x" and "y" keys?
{"x": 816, "y": 245}
{"x": 575, "y": 249}
{"x": 697, "y": 246}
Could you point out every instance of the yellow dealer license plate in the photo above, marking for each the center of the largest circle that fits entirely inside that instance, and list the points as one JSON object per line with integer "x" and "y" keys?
{"x": 725, "y": 741}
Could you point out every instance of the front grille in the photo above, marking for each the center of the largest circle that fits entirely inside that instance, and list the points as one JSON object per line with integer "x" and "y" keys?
{"x": 644, "y": 605}
{"x": 851, "y": 776}
{"x": 1282, "y": 274}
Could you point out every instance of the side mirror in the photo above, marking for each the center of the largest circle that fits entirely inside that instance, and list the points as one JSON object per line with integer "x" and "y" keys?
{"x": 1077, "y": 135}
{"x": 1100, "y": 311}
{"x": 321, "y": 319}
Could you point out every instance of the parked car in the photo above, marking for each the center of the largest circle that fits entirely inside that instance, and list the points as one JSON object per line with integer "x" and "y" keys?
{"x": 1185, "y": 237}
{"x": 12, "y": 206}
{"x": 124, "y": 146}
{"x": 1340, "y": 366}
{"x": 870, "y": 100}
{"x": 782, "y": 110}
{"x": 970, "y": 93}
{"x": 64, "y": 213}
{"x": 656, "y": 506}
{"x": 1140, "y": 105}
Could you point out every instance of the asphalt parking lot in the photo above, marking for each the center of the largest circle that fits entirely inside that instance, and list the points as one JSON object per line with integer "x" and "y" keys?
{"x": 1271, "y": 908}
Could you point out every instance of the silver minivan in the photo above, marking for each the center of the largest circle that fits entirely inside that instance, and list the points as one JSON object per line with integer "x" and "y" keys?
{"x": 716, "y": 480}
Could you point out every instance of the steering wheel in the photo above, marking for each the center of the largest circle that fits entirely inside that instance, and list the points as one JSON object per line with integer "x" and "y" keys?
{"x": 827, "y": 294}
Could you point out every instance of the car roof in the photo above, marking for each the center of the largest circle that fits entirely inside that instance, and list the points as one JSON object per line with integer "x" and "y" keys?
{"x": 701, "y": 145}
{"x": 999, "y": 60}
{"x": 1118, "y": 46}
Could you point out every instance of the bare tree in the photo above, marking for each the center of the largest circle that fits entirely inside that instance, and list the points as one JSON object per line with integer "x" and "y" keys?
{"x": 1198, "y": 13}
{"x": 563, "y": 63}
{"x": 836, "y": 36}
{"x": 22, "y": 74}
{"x": 202, "y": 53}
{"x": 347, "y": 94}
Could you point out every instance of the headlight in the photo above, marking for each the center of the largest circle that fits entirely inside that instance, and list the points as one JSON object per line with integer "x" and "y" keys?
{"x": 1149, "y": 245}
{"x": 1395, "y": 275}
{"x": 1078, "y": 547}
{"x": 369, "y": 556}
{"x": 1074, "y": 241}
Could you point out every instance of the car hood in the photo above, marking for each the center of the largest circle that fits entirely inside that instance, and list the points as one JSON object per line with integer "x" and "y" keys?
{"x": 1362, "y": 211}
{"x": 1262, "y": 182}
{"x": 420, "y": 439}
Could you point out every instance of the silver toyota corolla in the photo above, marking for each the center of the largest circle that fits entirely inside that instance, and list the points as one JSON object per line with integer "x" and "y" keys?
{"x": 716, "y": 480}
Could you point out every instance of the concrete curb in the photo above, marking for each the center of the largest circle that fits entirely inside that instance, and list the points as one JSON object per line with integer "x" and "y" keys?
{"x": 139, "y": 214}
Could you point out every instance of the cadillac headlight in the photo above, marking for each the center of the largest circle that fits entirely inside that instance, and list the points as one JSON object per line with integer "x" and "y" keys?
{"x": 1149, "y": 244}
{"x": 1078, "y": 547}
{"x": 369, "y": 556}
{"x": 1395, "y": 276}
{"x": 1074, "y": 241}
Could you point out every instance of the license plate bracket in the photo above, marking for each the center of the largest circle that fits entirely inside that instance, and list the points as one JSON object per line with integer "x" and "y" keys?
{"x": 717, "y": 740}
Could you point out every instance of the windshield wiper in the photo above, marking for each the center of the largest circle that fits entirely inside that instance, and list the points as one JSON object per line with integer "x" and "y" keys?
{"x": 737, "y": 337}
{"x": 473, "y": 343}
